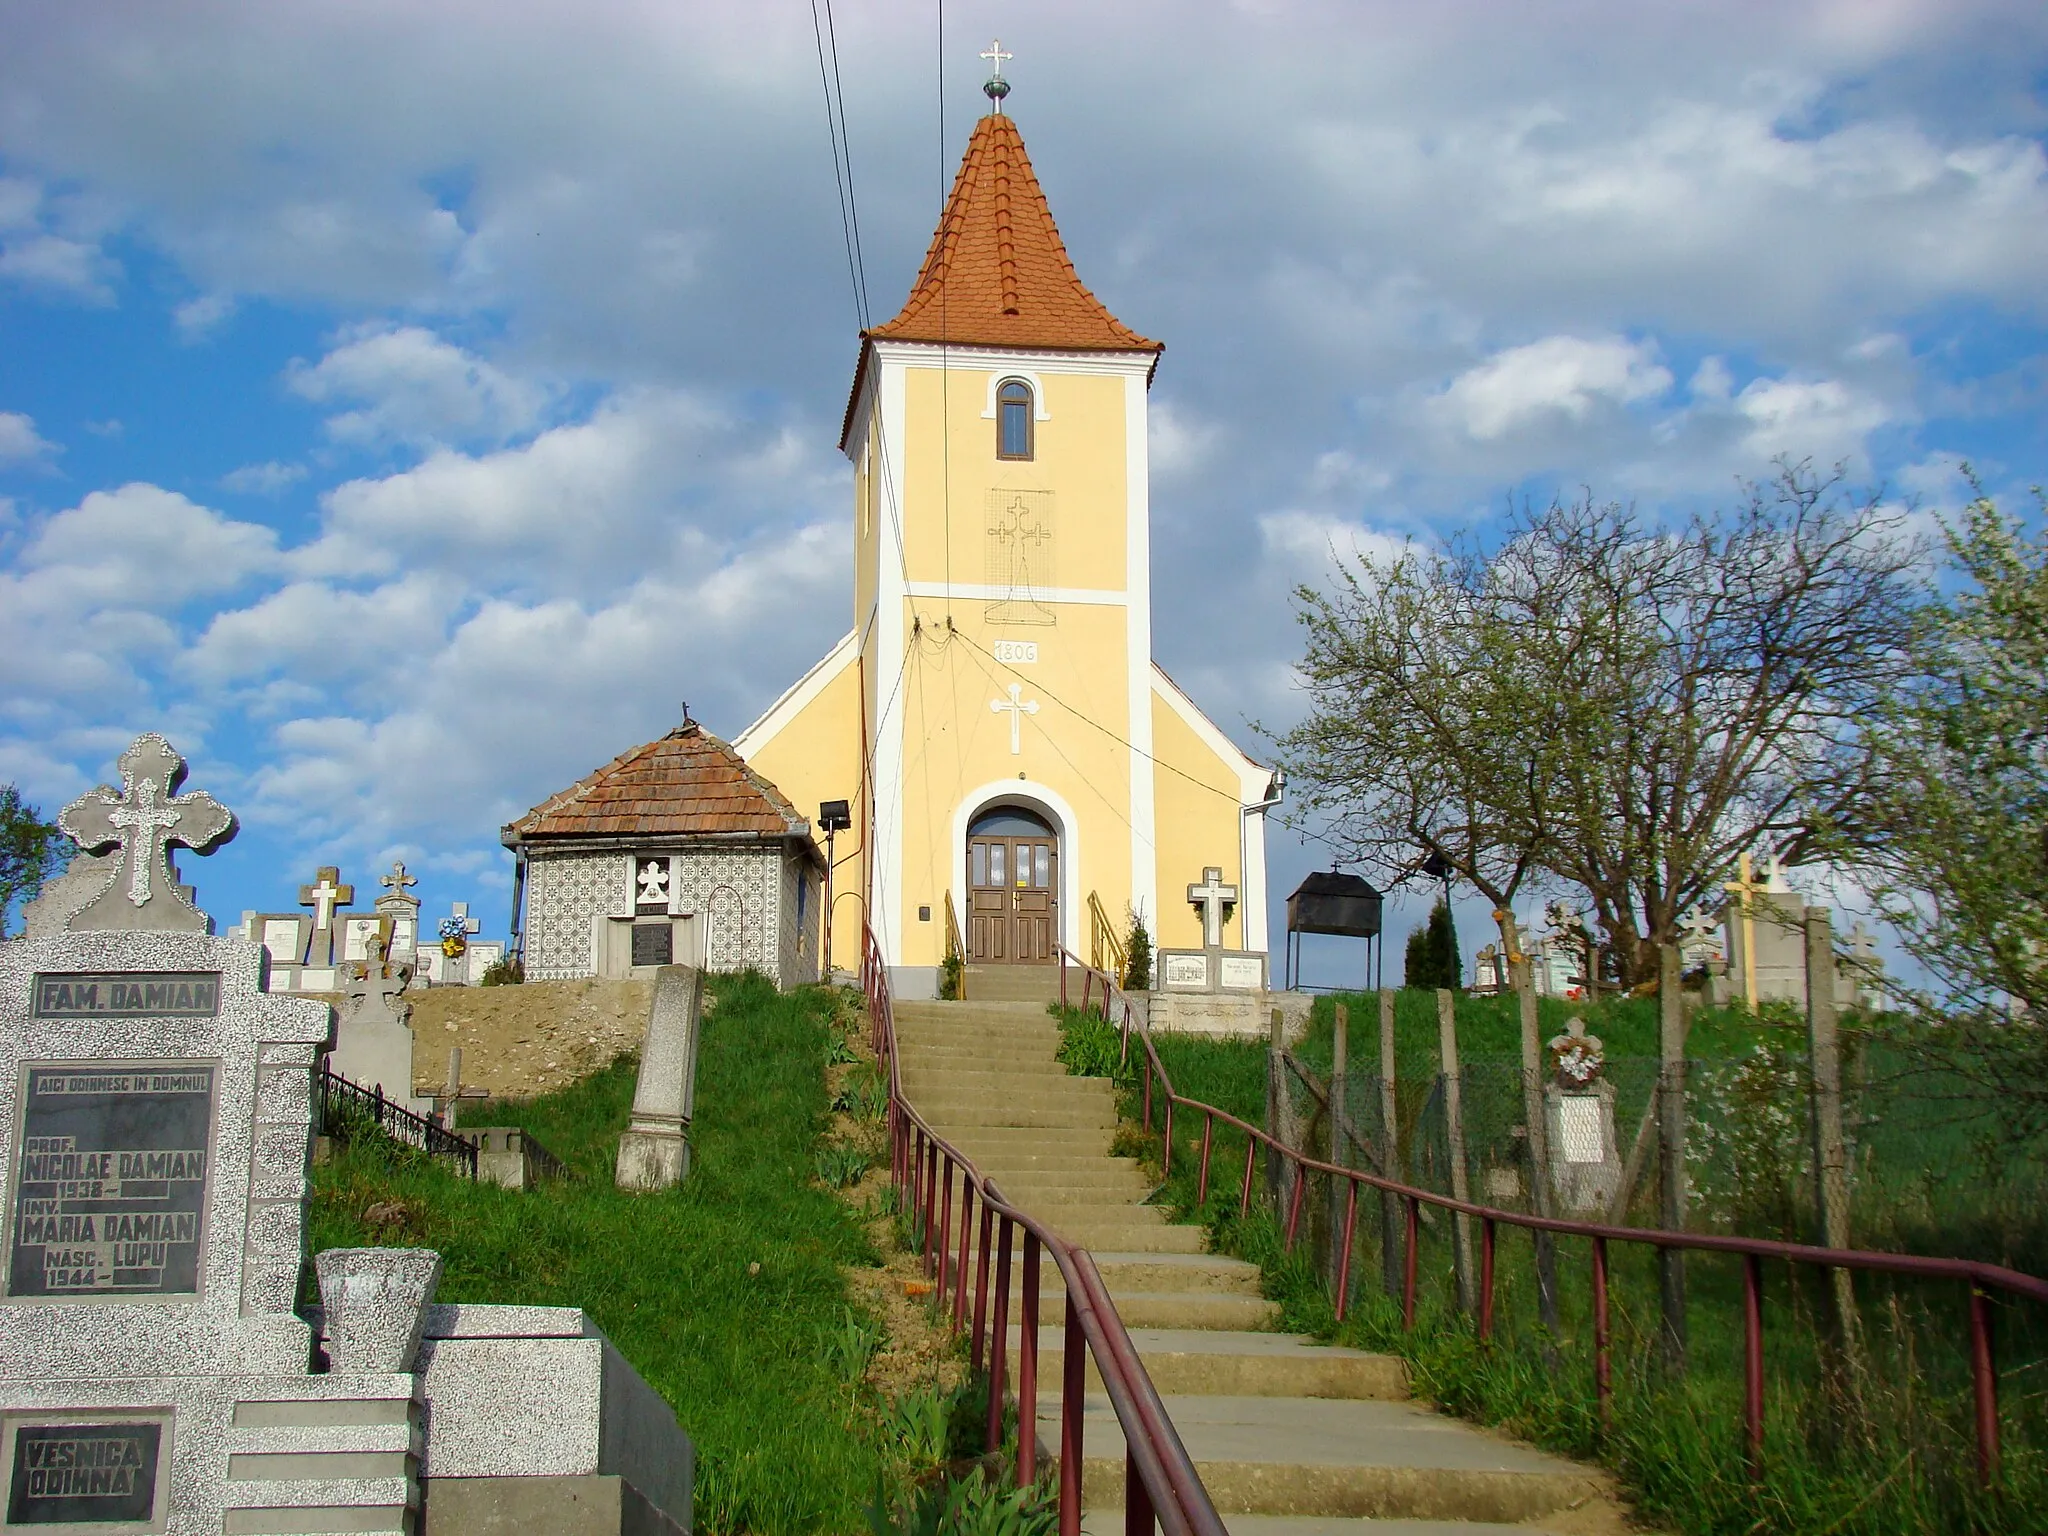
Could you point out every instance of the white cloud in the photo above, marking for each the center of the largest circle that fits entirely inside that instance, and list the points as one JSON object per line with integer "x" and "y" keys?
{"x": 1179, "y": 441}
{"x": 45, "y": 247}
{"x": 20, "y": 443}
{"x": 1310, "y": 542}
{"x": 265, "y": 479}
{"x": 98, "y": 589}
{"x": 1566, "y": 376}
{"x": 1822, "y": 419}
{"x": 417, "y": 389}
{"x": 198, "y": 318}
{"x": 315, "y": 632}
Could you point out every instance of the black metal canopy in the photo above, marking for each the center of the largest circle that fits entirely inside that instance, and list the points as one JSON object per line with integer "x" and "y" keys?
{"x": 1331, "y": 902}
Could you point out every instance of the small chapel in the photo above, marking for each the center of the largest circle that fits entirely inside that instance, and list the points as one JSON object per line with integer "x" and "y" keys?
{"x": 1019, "y": 770}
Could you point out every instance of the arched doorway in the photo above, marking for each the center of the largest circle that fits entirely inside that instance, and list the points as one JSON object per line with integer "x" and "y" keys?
{"x": 1013, "y": 883}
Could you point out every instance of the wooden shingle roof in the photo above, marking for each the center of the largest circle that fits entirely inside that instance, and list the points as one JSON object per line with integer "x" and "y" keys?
{"x": 997, "y": 273}
{"x": 687, "y": 784}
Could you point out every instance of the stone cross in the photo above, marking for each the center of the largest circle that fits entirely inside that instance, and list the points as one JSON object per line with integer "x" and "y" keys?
{"x": 456, "y": 929}
{"x": 374, "y": 988}
{"x": 1578, "y": 1055}
{"x": 1745, "y": 888}
{"x": 1016, "y": 706}
{"x": 1211, "y": 895}
{"x": 653, "y": 883}
{"x": 1697, "y": 928}
{"x": 145, "y": 819}
{"x": 398, "y": 880}
{"x": 324, "y": 895}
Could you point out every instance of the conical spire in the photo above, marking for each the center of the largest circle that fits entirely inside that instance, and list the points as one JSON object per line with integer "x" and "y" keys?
{"x": 997, "y": 273}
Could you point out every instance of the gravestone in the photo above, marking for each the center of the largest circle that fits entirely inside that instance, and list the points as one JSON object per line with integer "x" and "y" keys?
{"x": 373, "y": 1039}
{"x": 402, "y": 909}
{"x": 1585, "y": 1158}
{"x": 156, "y": 1114}
{"x": 325, "y": 896}
{"x": 654, "y": 1149}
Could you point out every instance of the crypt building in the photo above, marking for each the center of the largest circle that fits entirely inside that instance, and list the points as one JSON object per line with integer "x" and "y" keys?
{"x": 1018, "y": 766}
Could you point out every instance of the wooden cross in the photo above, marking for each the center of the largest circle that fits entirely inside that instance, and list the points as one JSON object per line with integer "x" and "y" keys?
{"x": 1744, "y": 889}
{"x": 1210, "y": 895}
{"x": 145, "y": 819}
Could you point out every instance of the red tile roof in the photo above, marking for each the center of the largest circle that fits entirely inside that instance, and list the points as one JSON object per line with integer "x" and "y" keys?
{"x": 997, "y": 273}
{"x": 687, "y": 784}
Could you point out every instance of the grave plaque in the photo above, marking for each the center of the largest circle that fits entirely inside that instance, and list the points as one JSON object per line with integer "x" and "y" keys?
{"x": 74, "y": 1474}
{"x": 127, "y": 994}
{"x": 653, "y": 944}
{"x": 1185, "y": 971}
{"x": 1579, "y": 1117}
{"x": 111, "y": 1184}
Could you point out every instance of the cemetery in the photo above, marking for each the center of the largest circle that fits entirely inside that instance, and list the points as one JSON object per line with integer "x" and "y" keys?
{"x": 754, "y": 1183}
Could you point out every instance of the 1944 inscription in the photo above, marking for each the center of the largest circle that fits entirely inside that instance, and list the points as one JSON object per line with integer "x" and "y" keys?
{"x": 127, "y": 994}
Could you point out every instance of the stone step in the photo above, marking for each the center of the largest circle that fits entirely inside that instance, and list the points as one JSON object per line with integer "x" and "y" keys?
{"x": 1127, "y": 1236}
{"x": 923, "y": 1086}
{"x": 1211, "y": 1362}
{"x": 949, "y": 1115}
{"x": 992, "y": 1143}
{"x": 1137, "y": 1274}
{"x": 1324, "y": 1457}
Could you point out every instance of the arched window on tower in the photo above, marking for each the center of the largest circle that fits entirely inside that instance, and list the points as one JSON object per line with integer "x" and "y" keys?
{"x": 1013, "y": 420}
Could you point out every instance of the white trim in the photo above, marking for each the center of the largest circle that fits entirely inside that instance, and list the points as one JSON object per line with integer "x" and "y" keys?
{"x": 1023, "y": 376}
{"x": 928, "y": 354}
{"x": 981, "y": 591}
{"x": 891, "y": 657}
{"x": 797, "y": 697}
{"x": 1068, "y": 828}
{"x": 1138, "y": 650}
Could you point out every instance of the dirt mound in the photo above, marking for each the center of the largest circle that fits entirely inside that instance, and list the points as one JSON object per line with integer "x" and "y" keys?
{"x": 518, "y": 1041}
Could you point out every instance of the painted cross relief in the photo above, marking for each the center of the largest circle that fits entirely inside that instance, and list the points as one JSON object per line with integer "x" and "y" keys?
{"x": 1019, "y": 557}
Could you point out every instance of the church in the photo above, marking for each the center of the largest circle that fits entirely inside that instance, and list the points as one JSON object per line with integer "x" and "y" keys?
{"x": 1019, "y": 772}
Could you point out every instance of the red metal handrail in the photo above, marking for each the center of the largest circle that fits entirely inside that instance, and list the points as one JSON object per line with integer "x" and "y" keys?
{"x": 1983, "y": 1279}
{"x": 1160, "y": 1480}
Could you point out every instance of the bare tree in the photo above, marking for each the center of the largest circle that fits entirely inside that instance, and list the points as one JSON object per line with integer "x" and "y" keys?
{"x": 1603, "y": 701}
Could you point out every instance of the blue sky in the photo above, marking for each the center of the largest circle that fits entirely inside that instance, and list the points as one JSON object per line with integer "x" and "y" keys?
{"x": 405, "y": 407}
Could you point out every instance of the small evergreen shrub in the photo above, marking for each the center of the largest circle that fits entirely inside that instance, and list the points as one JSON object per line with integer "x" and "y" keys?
{"x": 1137, "y": 956}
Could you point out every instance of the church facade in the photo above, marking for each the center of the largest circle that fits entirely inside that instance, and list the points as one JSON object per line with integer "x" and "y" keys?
{"x": 1017, "y": 765}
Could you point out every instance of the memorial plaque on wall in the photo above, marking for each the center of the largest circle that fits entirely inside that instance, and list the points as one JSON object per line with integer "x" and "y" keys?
{"x": 73, "y": 1474}
{"x": 110, "y": 1186}
{"x": 653, "y": 944}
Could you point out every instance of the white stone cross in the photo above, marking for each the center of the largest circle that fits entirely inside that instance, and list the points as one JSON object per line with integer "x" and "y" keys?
{"x": 1211, "y": 895}
{"x": 1863, "y": 947}
{"x": 996, "y": 56}
{"x": 398, "y": 880}
{"x": 146, "y": 818}
{"x": 653, "y": 882}
{"x": 324, "y": 895}
{"x": 1017, "y": 706}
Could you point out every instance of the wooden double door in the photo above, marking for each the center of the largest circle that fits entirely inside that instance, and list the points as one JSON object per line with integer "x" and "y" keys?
{"x": 1013, "y": 881}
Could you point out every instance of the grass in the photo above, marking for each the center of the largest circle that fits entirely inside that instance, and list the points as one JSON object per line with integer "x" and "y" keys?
{"x": 726, "y": 1293}
{"x": 1893, "y": 1450}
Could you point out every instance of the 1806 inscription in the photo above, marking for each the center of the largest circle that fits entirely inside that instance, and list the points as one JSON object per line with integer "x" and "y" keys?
{"x": 111, "y": 1184}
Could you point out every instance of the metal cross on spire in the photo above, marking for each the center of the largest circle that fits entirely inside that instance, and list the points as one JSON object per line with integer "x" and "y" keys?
{"x": 997, "y": 87}
{"x": 145, "y": 819}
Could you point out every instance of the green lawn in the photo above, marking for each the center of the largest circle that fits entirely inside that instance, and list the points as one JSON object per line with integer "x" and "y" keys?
{"x": 726, "y": 1294}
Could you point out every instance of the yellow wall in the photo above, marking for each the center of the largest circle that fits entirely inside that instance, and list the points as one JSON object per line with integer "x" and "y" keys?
{"x": 816, "y": 757}
{"x": 953, "y": 744}
{"x": 1078, "y": 455}
{"x": 1198, "y": 827}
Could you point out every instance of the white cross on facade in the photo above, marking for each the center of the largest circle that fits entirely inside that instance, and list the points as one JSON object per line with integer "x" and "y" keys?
{"x": 1211, "y": 895}
{"x": 653, "y": 882}
{"x": 1017, "y": 707}
{"x": 996, "y": 56}
{"x": 145, "y": 819}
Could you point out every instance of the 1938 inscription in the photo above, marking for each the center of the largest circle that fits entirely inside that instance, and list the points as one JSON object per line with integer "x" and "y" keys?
{"x": 112, "y": 1180}
{"x": 69, "y": 1474}
{"x": 127, "y": 994}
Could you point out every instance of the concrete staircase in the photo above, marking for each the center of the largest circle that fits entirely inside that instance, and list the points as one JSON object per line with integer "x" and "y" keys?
{"x": 1291, "y": 1438}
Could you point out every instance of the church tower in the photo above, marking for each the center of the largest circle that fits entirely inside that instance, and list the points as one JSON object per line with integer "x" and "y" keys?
{"x": 1018, "y": 768}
